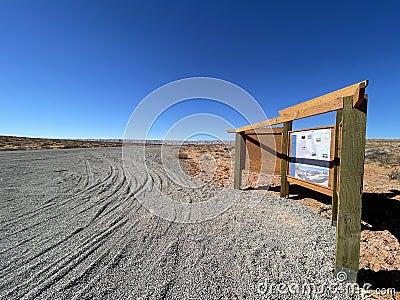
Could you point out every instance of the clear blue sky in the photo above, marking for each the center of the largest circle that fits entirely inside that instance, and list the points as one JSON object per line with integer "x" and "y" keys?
{"x": 77, "y": 69}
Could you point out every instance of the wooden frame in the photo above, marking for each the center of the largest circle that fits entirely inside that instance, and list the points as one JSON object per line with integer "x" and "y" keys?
{"x": 323, "y": 104}
{"x": 347, "y": 151}
{"x": 310, "y": 185}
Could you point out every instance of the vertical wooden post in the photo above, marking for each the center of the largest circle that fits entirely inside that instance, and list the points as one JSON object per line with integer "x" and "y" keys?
{"x": 287, "y": 126}
{"x": 336, "y": 161}
{"x": 348, "y": 229}
{"x": 240, "y": 159}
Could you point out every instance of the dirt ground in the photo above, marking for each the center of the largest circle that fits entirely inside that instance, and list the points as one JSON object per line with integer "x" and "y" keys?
{"x": 380, "y": 247}
{"x": 87, "y": 224}
{"x": 380, "y": 235}
{"x": 12, "y": 143}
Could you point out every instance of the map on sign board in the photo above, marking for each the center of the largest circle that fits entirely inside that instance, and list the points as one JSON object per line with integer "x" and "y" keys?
{"x": 310, "y": 155}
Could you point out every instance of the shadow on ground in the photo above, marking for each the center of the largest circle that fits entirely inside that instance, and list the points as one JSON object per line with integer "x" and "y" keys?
{"x": 380, "y": 279}
{"x": 381, "y": 211}
{"x": 298, "y": 192}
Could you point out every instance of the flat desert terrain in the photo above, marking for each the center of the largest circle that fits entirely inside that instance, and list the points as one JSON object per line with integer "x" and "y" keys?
{"x": 380, "y": 235}
{"x": 73, "y": 227}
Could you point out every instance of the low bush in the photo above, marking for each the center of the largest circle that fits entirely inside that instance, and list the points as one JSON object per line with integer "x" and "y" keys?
{"x": 394, "y": 175}
{"x": 183, "y": 155}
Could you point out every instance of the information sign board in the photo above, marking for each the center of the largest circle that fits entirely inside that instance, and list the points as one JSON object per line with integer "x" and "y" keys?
{"x": 311, "y": 155}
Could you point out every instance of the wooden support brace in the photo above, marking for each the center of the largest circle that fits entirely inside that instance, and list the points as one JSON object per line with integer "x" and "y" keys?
{"x": 348, "y": 229}
{"x": 240, "y": 159}
{"x": 339, "y": 114}
{"x": 333, "y": 105}
{"x": 287, "y": 126}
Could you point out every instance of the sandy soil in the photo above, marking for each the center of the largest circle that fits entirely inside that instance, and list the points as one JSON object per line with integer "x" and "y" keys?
{"x": 380, "y": 247}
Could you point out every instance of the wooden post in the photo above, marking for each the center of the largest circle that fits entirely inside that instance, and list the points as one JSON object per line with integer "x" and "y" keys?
{"x": 240, "y": 159}
{"x": 287, "y": 126}
{"x": 348, "y": 229}
{"x": 336, "y": 161}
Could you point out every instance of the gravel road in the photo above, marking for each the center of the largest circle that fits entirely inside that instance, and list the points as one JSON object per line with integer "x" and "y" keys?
{"x": 72, "y": 228}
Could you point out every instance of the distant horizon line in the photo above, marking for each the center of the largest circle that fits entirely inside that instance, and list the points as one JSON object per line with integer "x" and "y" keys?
{"x": 116, "y": 139}
{"x": 154, "y": 139}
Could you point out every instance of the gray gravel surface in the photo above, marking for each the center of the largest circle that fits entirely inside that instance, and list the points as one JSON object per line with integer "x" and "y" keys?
{"x": 72, "y": 228}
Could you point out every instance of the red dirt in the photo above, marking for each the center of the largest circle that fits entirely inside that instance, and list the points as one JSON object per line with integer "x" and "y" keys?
{"x": 380, "y": 247}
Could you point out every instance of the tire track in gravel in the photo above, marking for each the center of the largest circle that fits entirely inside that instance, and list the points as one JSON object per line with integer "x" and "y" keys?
{"x": 73, "y": 228}
{"x": 110, "y": 190}
{"x": 111, "y": 198}
{"x": 101, "y": 184}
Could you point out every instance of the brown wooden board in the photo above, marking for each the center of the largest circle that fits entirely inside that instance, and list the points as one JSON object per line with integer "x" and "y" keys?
{"x": 336, "y": 168}
{"x": 240, "y": 155}
{"x": 284, "y": 190}
{"x": 346, "y": 91}
{"x": 310, "y": 185}
{"x": 264, "y": 150}
{"x": 352, "y": 151}
{"x": 333, "y": 105}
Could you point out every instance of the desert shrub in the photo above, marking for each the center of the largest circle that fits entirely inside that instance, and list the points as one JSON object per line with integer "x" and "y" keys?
{"x": 394, "y": 175}
{"x": 382, "y": 156}
{"x": 182, "y": 155}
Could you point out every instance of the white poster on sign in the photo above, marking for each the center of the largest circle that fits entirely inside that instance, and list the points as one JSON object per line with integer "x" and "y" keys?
{"x": 310, "y": 155}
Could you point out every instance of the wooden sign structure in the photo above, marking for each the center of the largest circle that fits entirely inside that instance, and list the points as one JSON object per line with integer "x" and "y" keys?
{"x": 346, "y": 165}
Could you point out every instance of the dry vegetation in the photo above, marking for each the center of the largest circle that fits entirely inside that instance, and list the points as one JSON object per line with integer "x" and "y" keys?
{"x": 383, "y": 152}
{"x": 11, "y": 143}
{"x": 200, "y": 162}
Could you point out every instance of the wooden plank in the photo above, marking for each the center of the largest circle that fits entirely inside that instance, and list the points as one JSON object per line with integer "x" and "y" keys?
{"x": 240, "y": 159}
{"x": 284, "y": 192}
{"x": 259, "y": 130}
{"x": 255, "y": 126}
{"x": 336, "y": 166}
{"x": 264, "y": 152}
{"x": 310, "y": 185}
{"x": 358, "y": 96}
{"x": 307, "y": 112}
{"x": 264, "y": 130}
{"x": 348, "y": 229}
{"x": 310, "y": 111}
{"x": 314, "y": 128}
{"x": 332, "y": 157}
{"x": 321, "y": 100}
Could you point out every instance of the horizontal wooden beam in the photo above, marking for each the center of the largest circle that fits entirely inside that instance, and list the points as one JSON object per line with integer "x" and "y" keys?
{"x": 309, "y": 111}
{"x": 358, "y": 96}
{"x": 310, "y": 185}
{"x": 264, "y": 130}
{"x": 347, "y": 91}
{"x": 258, "y": 130}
